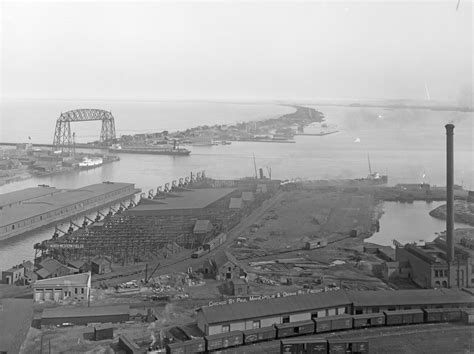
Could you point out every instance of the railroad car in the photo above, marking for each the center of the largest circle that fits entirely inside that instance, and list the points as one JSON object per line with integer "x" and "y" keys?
{"x": 224, "y": 340}
{"x": 215, "y": 242}
{"x": 259, "y": 334}
{"x": 295, "y": 329}
{"x": 199, "y": 253}
{"x": 192, "y": 346}
{"x": 343, "y": 346}
{"x": 369, "y": 320}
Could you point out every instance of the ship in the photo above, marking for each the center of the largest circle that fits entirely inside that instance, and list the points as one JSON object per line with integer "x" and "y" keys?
{"x": 150, "y": 149}
{"x": 373, "y": 178}
{"x": 87, "y": 163}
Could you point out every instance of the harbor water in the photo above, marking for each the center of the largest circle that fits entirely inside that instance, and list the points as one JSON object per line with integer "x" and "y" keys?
{"x": 408, "y": 145}
{"x": 409, "y": 222}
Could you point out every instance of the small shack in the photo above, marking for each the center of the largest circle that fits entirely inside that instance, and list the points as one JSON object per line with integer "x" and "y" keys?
{"x": 239, "y": 287}
{"x": 316, "y": 243}
{"x": 101, "y": 265}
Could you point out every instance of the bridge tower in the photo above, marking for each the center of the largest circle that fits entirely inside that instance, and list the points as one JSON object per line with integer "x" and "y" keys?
{"x": 63, "y": 140}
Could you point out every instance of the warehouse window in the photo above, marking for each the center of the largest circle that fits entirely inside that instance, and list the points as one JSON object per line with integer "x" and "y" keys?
{"x": 256, "y": 324}
{"x": 314, "y": 315}
{"x": 375, "y": 310}
{"x": 285, "y": 319}
{"x": 225, "y": 328}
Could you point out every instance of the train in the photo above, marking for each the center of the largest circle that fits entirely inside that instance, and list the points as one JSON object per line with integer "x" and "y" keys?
{"x": 210, "y": 245}
{"x": 288, "y": 333}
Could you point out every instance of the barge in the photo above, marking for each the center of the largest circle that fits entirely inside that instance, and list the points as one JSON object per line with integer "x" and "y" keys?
{"x": 150, "y": 149}
{"x": 22, "y": 211}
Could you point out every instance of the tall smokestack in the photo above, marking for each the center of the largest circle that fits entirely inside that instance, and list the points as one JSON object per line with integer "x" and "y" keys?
{"x": 449, "y": 193}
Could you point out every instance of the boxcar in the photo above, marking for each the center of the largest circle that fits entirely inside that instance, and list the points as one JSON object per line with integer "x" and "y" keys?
{"x": 467, "y": 316}
{"x": 198, "y": 253}
{"x": 393, "y": 318}
{"x": 316, "y": 346}
{"x": 322, "y": 324}
{"x": 450, "y": 314}
{"x": 224, "y": 340}
{"x": 295, "y": 328}
{"x": 412, "y": 316}
{"x": 433, "y": 315}
{"x": 369, "y": 320}
{"x": 341, "y": 322}
{"x": 306, "y": 346}
{"x": 197, "y": 345}
{"x": 259, "y": 334}
{"x": 337, "y": 346}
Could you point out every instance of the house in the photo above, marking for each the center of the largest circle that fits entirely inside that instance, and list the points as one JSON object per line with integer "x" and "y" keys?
{"x": 13, "y": 275}
{"x": 79, "y": 265}
{"x": 70, "y": 287}
{"x": 101, "y": 265}
{"x": 28, "y": 265}
{"x": 52, "y": 268}
{"x": 223, "y": 266}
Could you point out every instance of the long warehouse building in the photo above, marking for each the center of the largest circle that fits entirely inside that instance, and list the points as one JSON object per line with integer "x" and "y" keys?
{"x": 28, "y": 212}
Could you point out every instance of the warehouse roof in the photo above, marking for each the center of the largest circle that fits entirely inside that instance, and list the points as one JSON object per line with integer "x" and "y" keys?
{"x": 247, "y": 196}
{"x": 80, "y": 279}
{"x": 82, "y": 311}
{"x": 193, "y": 199}
{"x": 56, "y": 201}
{"x": 15, "y": 319}
{"x": 26, "y": 194}
{"x": 409, "y": 297}
{"x": 272, "y": 307}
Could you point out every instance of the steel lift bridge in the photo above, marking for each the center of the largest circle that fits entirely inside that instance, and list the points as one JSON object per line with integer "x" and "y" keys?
{"x": 63, "y": 140}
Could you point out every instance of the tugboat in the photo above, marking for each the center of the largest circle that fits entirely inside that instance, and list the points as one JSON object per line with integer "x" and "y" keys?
{"x": 374, "y": 177}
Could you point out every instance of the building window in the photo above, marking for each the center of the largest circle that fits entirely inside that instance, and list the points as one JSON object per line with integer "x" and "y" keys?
{"x": 75, "y": 290}
{"x": 314, "y": 315}
{"x": 82, "y": 290}
{"x": 229, "y": 269}
{"x": 358, "y": 311}
{"x": 285, "y": 319}
{"x": 446, "y": 273}
{"x": 375, "y": 310}
{"x": 327, "y": 312}
{"x": 225, "y": 328}
{"x": 436, "y": 273}
{"x": 256, "y": 324}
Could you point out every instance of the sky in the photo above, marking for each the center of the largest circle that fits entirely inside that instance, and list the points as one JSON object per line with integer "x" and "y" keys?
{"x": 237, "y": 50}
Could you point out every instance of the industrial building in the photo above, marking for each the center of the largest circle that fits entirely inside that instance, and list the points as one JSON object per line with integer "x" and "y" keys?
{"x": 441, "y": 263}
{"x": 428, "y": 267}
{"x": 185, "y": 216}
{"x": 75, "y": 287}
{"x": 13, "y": 275}
{"x": 28, "y": 213}
{"x": 244, "y": 315}
{"x": 85, "y": 315}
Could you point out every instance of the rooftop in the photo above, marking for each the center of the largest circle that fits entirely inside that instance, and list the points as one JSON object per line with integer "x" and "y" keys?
{"x": 202, "y": 227}
{"x": 80, "y": 279}
{"x": 26, "y": 194}
{"x": 235, "y": 203}
{"x": 68, "y": 312}
{"x": 193, "y": 199}
{"x": 56, "y": 201}
{"x": 15, "y": 317}
{"x": 272, "y": 307}
{"x": 409, "y": 297}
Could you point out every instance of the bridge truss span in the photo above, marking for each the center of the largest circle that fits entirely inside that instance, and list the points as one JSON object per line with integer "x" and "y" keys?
{"x": 63, "y": 139}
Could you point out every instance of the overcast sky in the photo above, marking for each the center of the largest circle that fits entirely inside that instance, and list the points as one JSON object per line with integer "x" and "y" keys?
{"x": 237, "y": 50}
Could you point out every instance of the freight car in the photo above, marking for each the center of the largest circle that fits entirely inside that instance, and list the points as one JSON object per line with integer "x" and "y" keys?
{"x": 231, "y": 341}
{"x": 323, "y": 346}
{"x": 210, "y": 245}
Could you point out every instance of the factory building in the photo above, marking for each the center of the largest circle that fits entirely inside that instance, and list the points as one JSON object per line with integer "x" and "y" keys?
{"x": 26, "y": 212}
{"x": 13, "y": 275}
{"x": 428, "y": 267}
{"x": 70, "y": 287}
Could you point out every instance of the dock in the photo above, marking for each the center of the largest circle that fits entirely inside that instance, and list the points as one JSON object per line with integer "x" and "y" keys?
{"x": 33, "y": 208}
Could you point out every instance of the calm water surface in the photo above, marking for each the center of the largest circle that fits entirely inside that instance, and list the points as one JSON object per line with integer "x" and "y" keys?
{"x": 405, "y": 144}
{"x": 408, "y": 222}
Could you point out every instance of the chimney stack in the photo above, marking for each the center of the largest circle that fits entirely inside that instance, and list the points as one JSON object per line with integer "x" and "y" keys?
{"x": 449, "y": 194}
